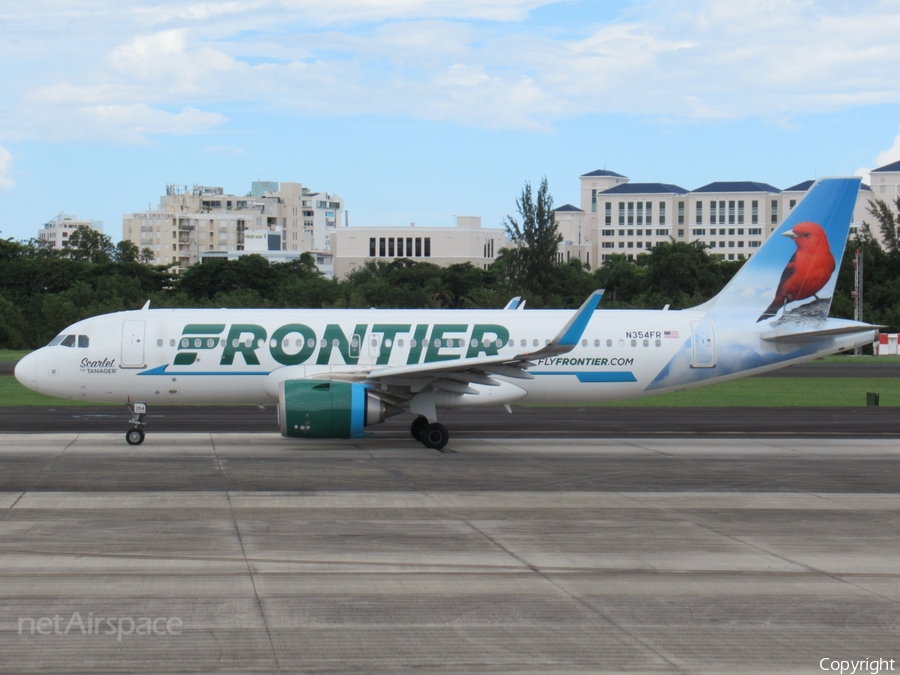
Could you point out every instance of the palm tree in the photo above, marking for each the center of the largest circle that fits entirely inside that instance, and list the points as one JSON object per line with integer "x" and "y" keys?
{"x": 438, "y": 292}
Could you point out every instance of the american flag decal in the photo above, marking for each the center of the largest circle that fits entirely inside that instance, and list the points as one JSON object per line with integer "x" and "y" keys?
{"x": 670, "y": 334}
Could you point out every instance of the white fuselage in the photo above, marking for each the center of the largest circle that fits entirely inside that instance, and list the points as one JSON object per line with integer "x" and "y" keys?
{"x": 180, "y": 356}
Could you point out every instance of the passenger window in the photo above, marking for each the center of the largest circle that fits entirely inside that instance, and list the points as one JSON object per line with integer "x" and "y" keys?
{"x": 83, "y": 341}
{"x": 159, "y": 343}
{"x": 68, "y": 341}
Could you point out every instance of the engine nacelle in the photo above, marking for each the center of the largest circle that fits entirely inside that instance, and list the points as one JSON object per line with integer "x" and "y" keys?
{"x": 329, "y": 409}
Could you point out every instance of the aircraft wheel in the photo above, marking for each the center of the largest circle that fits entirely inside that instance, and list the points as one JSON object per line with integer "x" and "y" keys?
{"x": 435, "y": 436}
{"x": 418, "y": 424}
{"x": 134, "y": 436}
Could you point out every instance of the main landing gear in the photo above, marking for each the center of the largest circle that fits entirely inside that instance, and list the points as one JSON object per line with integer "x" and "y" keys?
{"x": 135, "y": 435}
{"x": 432, "y": 435}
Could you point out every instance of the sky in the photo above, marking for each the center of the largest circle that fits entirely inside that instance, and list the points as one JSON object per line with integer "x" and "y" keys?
{"x": 420, "y": 110}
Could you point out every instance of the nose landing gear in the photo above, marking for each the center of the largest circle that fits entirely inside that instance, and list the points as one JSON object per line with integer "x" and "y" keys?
{"x": 135, "y": 435}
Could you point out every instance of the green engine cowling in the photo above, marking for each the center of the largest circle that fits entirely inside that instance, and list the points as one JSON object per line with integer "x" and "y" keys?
{"x": 329, "y": 409}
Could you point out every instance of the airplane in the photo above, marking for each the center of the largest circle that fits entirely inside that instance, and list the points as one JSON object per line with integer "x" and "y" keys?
{"x": 336, "y": 372}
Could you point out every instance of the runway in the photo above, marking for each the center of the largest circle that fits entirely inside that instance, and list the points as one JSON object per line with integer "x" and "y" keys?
{"x": 540, "y": 555}
{"x": 525, "y": 422}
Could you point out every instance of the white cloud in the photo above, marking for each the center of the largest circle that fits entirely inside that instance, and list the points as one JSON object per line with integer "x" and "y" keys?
{"x": 474, "y": 62}
{"x": 6, "y": 160}
{"x": 351, "y": 11}
{"x": 891, "y": 155}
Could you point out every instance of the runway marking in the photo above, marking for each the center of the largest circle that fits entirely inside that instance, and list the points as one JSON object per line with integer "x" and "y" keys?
{"x": 526, "y": 569}
{"x": 40, "y": 477}
{"x": 237, "y": 530}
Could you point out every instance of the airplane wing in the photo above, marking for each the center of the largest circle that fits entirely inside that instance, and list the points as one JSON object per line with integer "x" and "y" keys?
{"x": 455, "y": 376}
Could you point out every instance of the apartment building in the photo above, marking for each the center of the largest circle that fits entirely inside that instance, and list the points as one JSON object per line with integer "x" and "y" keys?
{"x": 192, "y": 221}
{"x": 55, "y": 232}
{"x": 468, "y": 241}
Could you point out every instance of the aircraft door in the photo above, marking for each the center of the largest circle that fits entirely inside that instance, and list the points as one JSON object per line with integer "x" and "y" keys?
{"x": 132, "y": 344}
{"x": 374, "y": 345}
{"x": 704, "y": 341}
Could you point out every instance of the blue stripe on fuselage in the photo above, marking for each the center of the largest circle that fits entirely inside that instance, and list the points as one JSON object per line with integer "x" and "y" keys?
{"x": 594, "y": 376}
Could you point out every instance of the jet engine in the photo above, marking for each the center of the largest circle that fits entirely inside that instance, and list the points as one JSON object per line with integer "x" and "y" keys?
{"x": 329, "y": 409}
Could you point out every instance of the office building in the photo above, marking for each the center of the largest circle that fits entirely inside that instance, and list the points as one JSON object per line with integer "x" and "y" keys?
{"x": 732, "y": 218}
{"x": 443, "y": 246}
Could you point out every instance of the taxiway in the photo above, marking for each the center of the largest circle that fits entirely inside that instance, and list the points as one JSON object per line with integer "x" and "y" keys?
{"x": 557, "y": 554}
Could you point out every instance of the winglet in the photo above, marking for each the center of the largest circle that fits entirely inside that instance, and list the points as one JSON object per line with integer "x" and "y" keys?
{"x": 512, "y": 304}
{"x": 571, "y": 333}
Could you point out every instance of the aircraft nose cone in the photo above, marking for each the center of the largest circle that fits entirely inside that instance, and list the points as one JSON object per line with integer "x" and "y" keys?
{"x": 26, "y": 371}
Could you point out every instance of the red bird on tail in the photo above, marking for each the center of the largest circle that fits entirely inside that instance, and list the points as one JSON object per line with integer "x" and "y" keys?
{"x": 808, "y": 270}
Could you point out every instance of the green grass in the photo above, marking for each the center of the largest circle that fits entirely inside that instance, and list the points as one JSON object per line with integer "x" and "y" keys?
{"x": 778, "y": 392}
{"x": 749, "y": 392}
{"x": 14, "y": 394}
{"x": 13, "y": 354}
{"x": 866, "y": 360}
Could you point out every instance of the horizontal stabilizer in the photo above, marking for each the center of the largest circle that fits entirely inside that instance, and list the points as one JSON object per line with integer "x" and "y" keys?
{"x": 813, "y": 335}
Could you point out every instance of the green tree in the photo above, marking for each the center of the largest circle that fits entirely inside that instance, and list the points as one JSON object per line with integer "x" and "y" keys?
{"x": 530, "y": 264}
{"x": 127, "y": 252}
{"x": 89, "y": 245}
{"x": 887, "y": 223}
{"x": 438, "y": 292}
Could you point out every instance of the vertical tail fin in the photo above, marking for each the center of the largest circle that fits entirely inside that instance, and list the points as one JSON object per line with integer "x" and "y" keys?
{"x": 796, "y": 268}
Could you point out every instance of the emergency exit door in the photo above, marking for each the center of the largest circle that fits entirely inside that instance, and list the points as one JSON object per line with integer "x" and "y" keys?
{"x": 132, "y": 344}
{"x": 704, "y": 341}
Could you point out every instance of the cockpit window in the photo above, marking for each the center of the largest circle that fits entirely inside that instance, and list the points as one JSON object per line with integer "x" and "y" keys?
{"x": 55, "y": 341}
{"x": 68, "y": 341}
{"x": 83, "y": 341}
